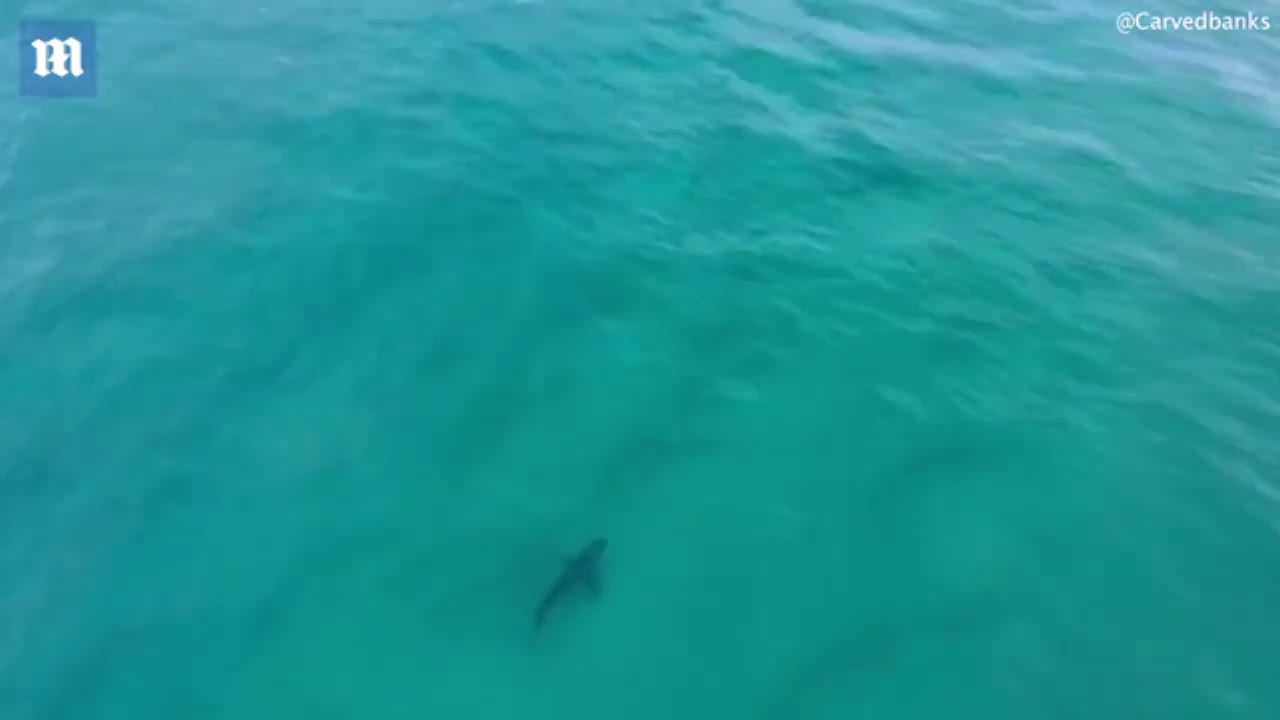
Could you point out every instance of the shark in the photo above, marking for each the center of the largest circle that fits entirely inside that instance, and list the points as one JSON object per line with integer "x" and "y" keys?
{"x": 580, "y": 572}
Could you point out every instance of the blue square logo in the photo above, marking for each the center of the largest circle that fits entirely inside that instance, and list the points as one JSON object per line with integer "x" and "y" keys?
{"x": 57, "y": 58}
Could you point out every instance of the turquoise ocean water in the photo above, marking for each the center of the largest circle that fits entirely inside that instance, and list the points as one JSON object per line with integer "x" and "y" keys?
{"x": 918, "y": 360}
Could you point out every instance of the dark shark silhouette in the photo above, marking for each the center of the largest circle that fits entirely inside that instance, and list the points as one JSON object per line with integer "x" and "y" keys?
{"x": 582, "y": 571}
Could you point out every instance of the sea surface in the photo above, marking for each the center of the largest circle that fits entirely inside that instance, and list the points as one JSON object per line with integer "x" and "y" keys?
{"x": 918, "y": 359}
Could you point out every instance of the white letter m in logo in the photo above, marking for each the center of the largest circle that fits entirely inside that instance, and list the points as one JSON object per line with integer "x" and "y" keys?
{"x": 56, "y": 53}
